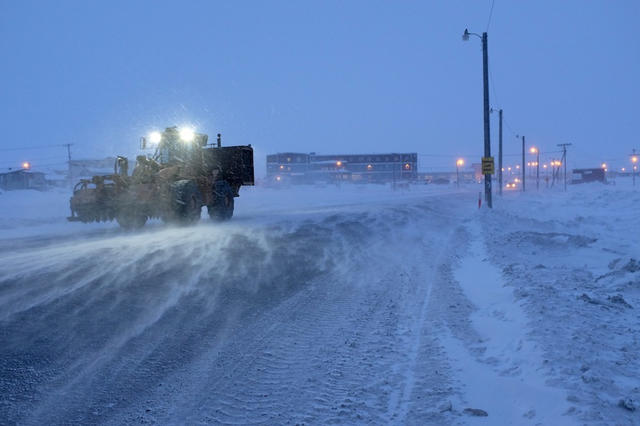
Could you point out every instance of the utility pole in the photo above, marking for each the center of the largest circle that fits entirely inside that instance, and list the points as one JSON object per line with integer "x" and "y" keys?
{"x": 523, "y": 166}
{"x": 538, "y": 169}
{"x": 459, "y": 163}
{"x": 69, "y": 174}
{"x": 634, "y": 165}
{"x": 487, "y": 134}
{"x": 500, "y": 153}
{"x": 564, "y": 161}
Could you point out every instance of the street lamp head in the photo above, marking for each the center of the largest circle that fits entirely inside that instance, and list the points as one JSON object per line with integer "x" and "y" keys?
{"x": 465, "y": 35}
{"x": 533, "y": 150}
{"x": 460, "y": 162}
{"x": 634, "y": 159}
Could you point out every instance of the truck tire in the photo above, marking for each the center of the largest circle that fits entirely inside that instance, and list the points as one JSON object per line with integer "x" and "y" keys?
{"x": 128, "y": 213}
{"x": 130, "y": 219}
{"x": 186, "y": 202}
{"x": 222, "y": 207}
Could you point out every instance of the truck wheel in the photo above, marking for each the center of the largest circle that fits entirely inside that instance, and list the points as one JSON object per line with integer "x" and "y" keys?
{"x": 186, "y": 202}
{"x": 222, "y": 207}
{"x": 131, "y": 219}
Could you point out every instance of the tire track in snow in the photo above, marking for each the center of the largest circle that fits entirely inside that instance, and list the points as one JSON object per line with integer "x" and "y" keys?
{"x": 289, "y": 355}
{"x": 400, "y": 401}
{"x": 202, "y": 323}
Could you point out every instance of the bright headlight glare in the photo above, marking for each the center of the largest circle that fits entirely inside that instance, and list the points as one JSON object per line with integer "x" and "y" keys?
{"x": 186, "y": 134}
{"x": 155, "y": 137}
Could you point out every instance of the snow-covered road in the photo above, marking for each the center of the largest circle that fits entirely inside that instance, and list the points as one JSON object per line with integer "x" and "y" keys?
{"x": 314, "y": 305}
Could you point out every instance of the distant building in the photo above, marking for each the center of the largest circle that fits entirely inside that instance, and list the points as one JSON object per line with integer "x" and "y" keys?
{"x": 91, "y": 167}
{"x": 588, "y": 175}
{"x": 22, "y": 179}
{"x": 290, "y": 166}
{"x": 466, "y": 176}
{"x": 307, "y": 168}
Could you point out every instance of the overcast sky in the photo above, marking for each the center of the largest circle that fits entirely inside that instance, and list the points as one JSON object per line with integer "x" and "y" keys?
{"x": 324, "y": 76}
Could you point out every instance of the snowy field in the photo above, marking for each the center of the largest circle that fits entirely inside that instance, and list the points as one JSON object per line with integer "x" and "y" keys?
{"x": 319, "y": 305}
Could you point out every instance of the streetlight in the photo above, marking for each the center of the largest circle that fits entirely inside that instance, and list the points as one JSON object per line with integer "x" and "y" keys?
{"x": 555, "y": 170}
{"x": 524, "y": 170}
{"x": 634, "y": 161}
{"x": 26, "y": 165}
{"x": 459, "y": 163}
{"x": 536, "y": 151}
{"x": 487, "y": 135}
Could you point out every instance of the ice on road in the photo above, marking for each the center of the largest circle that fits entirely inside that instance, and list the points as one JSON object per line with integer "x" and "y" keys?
{"x": 321, "y": 305}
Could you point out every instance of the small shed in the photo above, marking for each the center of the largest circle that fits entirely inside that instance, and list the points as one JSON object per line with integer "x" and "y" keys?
{"x": 588, "y": 175}
{"x": 22, "y": 179}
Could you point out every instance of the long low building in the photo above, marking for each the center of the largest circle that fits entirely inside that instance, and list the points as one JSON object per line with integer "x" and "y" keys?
{"x": 22, "y": 179}
{"x": 297, "y": 167}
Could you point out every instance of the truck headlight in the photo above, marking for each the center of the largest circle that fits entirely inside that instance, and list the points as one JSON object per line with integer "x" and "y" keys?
{"x": 155, "y": 137}
{"x": 187, "y": 135}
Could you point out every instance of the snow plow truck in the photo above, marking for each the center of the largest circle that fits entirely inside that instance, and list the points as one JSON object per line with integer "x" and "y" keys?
{"x": 184, "y": 174}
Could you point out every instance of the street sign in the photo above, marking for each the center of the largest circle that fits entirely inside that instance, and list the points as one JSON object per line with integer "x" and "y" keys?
{"x": 487, "y": 166}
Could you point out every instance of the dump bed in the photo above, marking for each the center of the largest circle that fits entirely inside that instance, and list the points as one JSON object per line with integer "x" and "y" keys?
{"x": 235, "y": 163}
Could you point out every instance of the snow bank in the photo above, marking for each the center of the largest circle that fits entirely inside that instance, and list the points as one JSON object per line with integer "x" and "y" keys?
{"x": 571, "y": 260}
{"x": 506, "y": 380}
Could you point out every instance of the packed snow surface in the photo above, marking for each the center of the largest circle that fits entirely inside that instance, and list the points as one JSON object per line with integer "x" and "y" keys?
{"x": 315, "y": 305}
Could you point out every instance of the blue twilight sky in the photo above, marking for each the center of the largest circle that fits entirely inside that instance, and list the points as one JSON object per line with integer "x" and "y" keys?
{"x": 324, "y": 76}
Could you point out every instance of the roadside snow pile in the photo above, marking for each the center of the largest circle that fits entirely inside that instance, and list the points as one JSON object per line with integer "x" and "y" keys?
{"x": 500, "y": 357}
{"x": 572, "y": 260}
{"x": 30, "y": 213}
{"x": 30, "y": 207}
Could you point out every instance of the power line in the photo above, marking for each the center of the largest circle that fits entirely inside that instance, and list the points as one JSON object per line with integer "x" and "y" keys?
{"x": 510, "y": 128}
{"x": 497, "y": 102}
{"x": 476, "y": 154}
{"x": 490, "y": 15}
{"x": 30, "y": 148}
{"x": 493, "y": 90}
